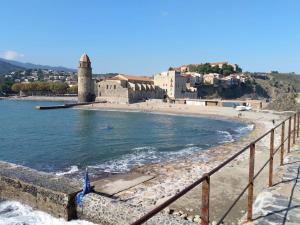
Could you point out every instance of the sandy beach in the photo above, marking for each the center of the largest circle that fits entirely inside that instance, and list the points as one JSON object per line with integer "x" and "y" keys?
{"x": 171, "y": 177}
{"x": 42, "y": 98}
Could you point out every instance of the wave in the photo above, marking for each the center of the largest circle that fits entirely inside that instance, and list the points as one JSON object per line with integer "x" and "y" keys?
{"x": 71, "y": 169}
{"x": 15, "y": 213}
{"x": 245, "y": 129}
{"x": 141, "y": 156}
{"x": 227, "y": 137}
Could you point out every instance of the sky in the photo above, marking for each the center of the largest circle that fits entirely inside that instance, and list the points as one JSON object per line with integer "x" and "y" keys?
{"x": 141, "y": 37}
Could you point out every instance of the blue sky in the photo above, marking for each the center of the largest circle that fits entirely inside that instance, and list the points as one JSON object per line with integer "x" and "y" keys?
{"x": 144, "y": 37}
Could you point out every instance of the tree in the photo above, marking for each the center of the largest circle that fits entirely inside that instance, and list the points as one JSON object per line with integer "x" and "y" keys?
{"x": 5, "y": 86}
{"x": 238, "y": 69}
{"x": 16, "y": 87}
{"x": 227, "y": 69}
{"x": 73, "y": 89}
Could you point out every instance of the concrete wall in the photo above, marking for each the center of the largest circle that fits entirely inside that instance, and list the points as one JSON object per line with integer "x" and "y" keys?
{"x": 43, "y": 191}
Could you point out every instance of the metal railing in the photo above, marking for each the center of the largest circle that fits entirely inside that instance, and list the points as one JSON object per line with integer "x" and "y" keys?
{"x": 205, "y": 179}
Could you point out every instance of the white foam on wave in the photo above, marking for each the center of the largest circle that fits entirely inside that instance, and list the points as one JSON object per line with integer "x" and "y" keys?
{"x": 243, "y": 130}
{"x": 15, "y": 213}
{"x": 71, "y": 169}
{"x": 227, "y": 137}
{"x": 141, "y": 156}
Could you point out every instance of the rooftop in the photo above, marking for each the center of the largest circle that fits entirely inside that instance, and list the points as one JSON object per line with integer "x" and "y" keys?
{"x": 84, "y": 58}
{"x": 131, "y": 78}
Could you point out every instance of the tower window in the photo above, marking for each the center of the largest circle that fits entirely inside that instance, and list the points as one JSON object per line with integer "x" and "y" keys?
{"x": 115, "y": 86}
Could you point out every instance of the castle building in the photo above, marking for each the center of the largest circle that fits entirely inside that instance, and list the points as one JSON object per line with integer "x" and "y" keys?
{"x": 127, "y": 89}
{"x": 85, "y": 82}
{"x": 174, "y": 85}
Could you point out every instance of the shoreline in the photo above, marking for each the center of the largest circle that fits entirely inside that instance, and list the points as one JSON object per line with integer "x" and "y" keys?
{"x": 172, "y": 176}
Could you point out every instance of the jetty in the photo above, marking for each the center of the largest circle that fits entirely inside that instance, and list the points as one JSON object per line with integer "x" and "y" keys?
{"x": 65, "y": 106}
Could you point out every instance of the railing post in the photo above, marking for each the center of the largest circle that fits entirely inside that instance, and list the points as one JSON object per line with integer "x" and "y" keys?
{"x": 289, "y": 135}
{"x": 251, "y": 184}
{"x": 282, "y": 143}
{"x": 294, "y": 134}
{"x": 205, "y": 200}
{"x": 271, "y": 158}
{"x": 298, "y": 124}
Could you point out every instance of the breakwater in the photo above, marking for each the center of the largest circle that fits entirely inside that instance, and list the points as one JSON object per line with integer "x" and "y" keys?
{"x": 43, "y": 191}
{"x": 55, "y": 195}
{"x": 65, "y": 106}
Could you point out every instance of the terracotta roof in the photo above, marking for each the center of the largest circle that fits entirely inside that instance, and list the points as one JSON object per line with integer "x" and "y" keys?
{"x": 186, "y": 75}
{"x": 131, "y": 78}
{"x": 84, "y": 58}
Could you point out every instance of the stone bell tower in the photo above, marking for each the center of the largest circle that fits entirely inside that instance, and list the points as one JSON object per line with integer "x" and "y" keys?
{"x": 85, "y": 85}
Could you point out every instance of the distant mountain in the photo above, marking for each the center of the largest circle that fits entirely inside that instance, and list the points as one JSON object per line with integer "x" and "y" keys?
{"x": 6, "y": 67}
{"x": 36, "y": 66}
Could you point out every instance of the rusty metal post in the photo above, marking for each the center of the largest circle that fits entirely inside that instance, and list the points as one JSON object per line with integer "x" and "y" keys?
{"x": 282, "y": 143}
{"x": 271, "y": 158}
{"x": 294, "y": 133}
{"x": 289, "y": 135}
{"x": 298, "y": 124}
{"x": 251, "y": 184}
{"x": 205, "y": 200}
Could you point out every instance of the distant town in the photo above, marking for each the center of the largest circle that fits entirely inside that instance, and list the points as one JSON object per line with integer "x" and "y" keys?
{"x": 192, "y": 83}
{"x": 185, "y": 81}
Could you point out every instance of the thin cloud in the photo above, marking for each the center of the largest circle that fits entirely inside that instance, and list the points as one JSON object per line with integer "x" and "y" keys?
{"x": 11, "y": 55}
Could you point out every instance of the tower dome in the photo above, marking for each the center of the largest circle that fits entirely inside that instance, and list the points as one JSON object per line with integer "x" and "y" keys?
{"x": 84, "y": 61}
{"x": 84, "y": 58}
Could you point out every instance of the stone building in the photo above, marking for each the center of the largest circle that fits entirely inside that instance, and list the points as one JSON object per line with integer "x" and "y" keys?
{"x": 127, "y": 89}
{"x": 174, "y": 85}
{"x": 85, "y": 83}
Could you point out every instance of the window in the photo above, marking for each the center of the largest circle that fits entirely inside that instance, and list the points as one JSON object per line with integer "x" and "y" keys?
{"x": 115, "y": 86}
{"x": 106, "y": 86}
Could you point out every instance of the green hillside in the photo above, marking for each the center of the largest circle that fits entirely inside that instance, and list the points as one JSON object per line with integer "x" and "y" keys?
{"x": 7, "y": 67}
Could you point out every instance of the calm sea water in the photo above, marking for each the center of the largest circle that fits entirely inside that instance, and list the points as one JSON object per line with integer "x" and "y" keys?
{"x": 68, "y": 140}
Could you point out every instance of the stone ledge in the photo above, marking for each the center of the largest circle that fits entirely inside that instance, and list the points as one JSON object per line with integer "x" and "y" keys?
{"x": 106, "y": 211}
{"x": 44, "y": 191}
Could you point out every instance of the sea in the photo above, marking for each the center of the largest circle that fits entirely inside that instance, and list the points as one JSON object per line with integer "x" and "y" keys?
{"x": 67, "y": 141}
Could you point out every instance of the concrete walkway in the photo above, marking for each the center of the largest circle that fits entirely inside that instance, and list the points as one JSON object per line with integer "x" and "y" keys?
{"x": 280, "y": 204}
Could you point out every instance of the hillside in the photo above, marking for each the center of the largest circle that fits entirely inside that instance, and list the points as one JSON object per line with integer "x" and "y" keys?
{"x": 6, "y": 67}
{"x": 282, "y": 89}
{"x": 36, "y": 66}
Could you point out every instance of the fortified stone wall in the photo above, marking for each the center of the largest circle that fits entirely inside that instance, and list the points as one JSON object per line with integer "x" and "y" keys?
{"x": 112, "y": 91}
{"x": 43, "y": 191}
